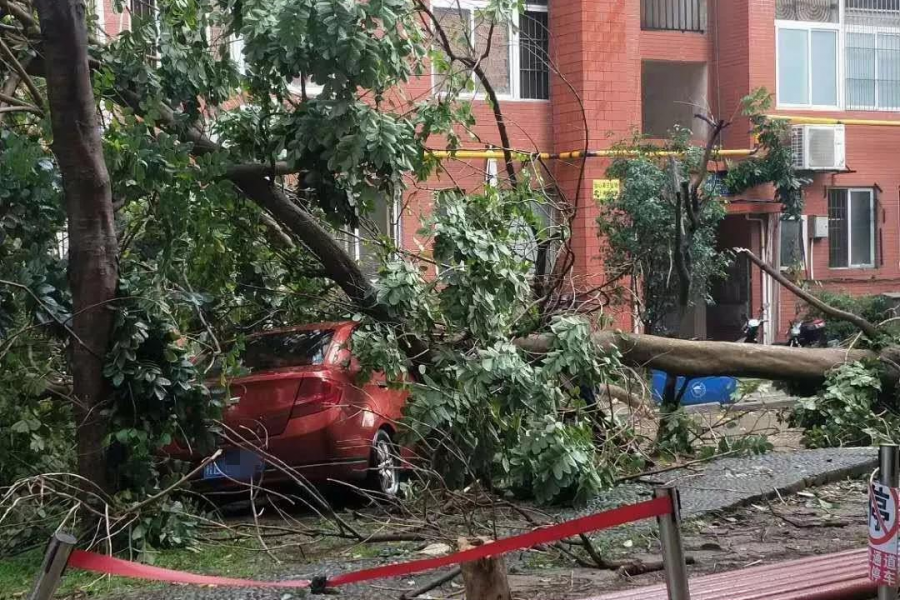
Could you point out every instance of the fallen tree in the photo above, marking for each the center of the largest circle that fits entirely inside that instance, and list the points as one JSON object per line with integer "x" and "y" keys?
{"x": 490, "y": 367}
{"x": 705, "y": 359}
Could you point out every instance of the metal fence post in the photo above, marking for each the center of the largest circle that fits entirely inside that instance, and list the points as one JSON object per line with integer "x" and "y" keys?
{"x": 889, "y": 475}
{"x": 55, "y": 560}
{"x": 672, "y": 549}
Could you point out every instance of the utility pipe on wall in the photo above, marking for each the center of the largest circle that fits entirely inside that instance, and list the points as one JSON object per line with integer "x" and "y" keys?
{"x": 800, "y": 120}
{"x": 522, "y": 155}
{"x": 766, "y": 283}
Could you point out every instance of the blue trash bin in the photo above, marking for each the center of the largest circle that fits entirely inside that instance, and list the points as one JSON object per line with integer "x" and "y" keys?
{"x": 701, "y": 390}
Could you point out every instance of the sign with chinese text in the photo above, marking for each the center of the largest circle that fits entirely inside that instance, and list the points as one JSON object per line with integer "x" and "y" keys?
{"x": 605, "y": 189}
{"x": 883, "y": 529}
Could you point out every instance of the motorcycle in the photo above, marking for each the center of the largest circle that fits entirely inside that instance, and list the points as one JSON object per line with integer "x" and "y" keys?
{"x": 807, "y": 334}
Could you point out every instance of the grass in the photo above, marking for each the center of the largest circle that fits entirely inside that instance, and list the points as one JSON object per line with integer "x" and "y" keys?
{"x": 17, "y": 574}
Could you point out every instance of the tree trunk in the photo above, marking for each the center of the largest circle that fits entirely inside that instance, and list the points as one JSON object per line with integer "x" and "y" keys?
{"x": 93, "y": 267}
{"x": 485, "y": 578}
{"x": 706, "y": 359}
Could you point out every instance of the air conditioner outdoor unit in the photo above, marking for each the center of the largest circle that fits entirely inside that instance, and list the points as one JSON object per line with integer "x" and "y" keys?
{"x": 818, "y": 147}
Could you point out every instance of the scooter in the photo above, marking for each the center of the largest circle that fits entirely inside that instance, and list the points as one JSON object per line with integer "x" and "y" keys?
{"x": 807, "y": 334}
{"x": 751, "y": 331}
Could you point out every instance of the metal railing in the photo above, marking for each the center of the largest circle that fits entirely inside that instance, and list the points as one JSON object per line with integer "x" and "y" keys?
{"x": 673, "y": 15}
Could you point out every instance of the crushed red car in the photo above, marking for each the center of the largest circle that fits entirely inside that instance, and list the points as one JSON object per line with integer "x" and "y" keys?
{"x": 301, "y": 403}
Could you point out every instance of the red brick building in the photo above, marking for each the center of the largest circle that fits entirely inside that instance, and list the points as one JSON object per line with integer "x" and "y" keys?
{"x": 646, "y": 65}
{"x": 649, "y": 64}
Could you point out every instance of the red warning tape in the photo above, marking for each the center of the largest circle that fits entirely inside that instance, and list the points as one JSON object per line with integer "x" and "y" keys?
{"x": 99, "y": 563}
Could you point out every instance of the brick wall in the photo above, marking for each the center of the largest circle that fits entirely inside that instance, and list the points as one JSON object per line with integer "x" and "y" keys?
{"x": 597, "y": 50}
{"x": 113, "y": 22}
{"x": 871, "y": 156}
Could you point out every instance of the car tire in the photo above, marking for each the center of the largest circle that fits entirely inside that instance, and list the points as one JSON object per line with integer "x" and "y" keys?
{"x": 384, "y": 466}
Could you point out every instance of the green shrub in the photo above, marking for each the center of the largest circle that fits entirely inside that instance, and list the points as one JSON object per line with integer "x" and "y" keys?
{"x": 874, "y": 309}
{"x": 848, "y": 411}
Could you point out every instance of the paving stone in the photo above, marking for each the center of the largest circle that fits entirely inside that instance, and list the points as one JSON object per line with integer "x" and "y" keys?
{"x": 731, "y": 482}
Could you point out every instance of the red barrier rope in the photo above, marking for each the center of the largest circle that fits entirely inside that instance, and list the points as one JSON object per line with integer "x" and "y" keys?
{"x": 99, "y": 563}
{"x": 604, "y": 520}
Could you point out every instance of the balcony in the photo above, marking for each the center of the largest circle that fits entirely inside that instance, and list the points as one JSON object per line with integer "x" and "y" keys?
{"x": 671, "y": 93}
{"x": 673, "y": 15}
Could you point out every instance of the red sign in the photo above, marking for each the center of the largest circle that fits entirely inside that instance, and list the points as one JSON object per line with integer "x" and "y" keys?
{"x": 884, "y": 527}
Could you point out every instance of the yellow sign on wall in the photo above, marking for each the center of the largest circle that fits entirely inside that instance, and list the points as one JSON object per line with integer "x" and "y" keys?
{"x": 605, "y": 189}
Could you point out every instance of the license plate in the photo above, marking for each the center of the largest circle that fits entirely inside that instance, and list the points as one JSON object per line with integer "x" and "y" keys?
{"x": 235, "y": 463}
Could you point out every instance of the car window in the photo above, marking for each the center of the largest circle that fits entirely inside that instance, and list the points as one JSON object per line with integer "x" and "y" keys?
{"x": 274, "y": 351}
{"x": 292, "y": 349}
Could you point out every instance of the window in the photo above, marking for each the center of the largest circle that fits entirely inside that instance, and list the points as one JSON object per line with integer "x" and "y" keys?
{"x": 851, "y": 228}
{"x": 141, "y": 9}
{"x": 838, "y": 54}
{"x": 294, "y": 349}
{"x": 810, "y": 11}
{"x": 793, "y": 242}
{"x": 236, "y": 53}
{"x": 534, "y": 60}
{"x": 365, "y": 243}
{"x": 276, "y": 351}
{"x": 807, "y": 66}
{"x": 518, "y": 63}
{"x": 673, "y": 15}
{"x": 873, "y": 70}
{"x": 874, "y": 5}
{"x": 670, "y": 94}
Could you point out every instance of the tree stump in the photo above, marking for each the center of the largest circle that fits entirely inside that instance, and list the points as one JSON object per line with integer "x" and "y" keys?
{"x": 485, "y": 579}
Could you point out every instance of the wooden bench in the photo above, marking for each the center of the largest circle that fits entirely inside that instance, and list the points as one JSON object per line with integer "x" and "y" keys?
{"x": 841, "y": 576}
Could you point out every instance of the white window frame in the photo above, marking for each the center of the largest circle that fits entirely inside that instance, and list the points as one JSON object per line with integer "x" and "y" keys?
{"x": 515, "y": 76}
{"x": 842, "y": 30}
{"x": 809, "y": 27}
{"x": 100, "y": 14}
{"x": 395, "y": 216}
{"x": 237, "y": 41}
{"x": 876, "y": 31}
{"x": 872, "y": 230}
{"x": 236, "y": 52}
{"x": 312, "y": 89}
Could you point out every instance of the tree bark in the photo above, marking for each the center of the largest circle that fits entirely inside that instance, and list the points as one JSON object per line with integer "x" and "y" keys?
{"x": 93, "y": 266}
{"x": 707, "y": 359}
{"x": 485, "y": 578}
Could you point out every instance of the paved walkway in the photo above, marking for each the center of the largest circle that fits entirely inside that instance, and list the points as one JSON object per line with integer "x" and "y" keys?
{"x": 730, "y": 482}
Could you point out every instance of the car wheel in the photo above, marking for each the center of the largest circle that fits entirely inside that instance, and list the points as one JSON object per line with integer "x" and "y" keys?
{"x": 384, "y": 470}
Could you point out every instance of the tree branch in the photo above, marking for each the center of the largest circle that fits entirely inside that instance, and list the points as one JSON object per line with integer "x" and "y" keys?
{"x": 12, "y": 100}
{"x": 29, "y": 109}
{"x": 711, "y": 143}
{"x": 29, "y": 82}
{"x": 260, "y": 170}
{"x": 22, "y": 16}
{"x": 865, "y": 326}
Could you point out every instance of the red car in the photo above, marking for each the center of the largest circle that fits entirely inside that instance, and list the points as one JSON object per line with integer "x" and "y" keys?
{"x": 302, "y": 404}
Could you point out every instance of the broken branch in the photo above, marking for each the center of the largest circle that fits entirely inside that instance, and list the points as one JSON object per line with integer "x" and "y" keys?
{"x": 865, "y": 326}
